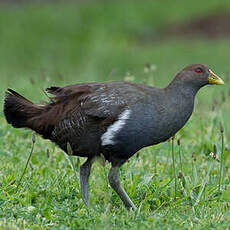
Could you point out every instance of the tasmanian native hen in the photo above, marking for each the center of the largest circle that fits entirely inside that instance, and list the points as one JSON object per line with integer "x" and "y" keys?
{"x": 113, "y": 120}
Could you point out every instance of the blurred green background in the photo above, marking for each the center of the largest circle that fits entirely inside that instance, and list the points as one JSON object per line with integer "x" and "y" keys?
{"x": 44, "y": 43}
{"x": 70, "y": 42}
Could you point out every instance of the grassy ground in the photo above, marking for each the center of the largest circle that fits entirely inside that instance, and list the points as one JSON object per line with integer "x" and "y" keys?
{"x": 41, "y": 45}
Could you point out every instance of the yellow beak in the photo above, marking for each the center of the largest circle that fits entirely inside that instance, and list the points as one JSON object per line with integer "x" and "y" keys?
{"x": 214, "y": 79}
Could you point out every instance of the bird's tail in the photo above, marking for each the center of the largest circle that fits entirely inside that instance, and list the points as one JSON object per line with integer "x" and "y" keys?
{"x": 22, "y": 113}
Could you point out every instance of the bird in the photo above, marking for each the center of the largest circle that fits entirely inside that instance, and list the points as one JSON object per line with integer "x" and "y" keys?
{"x": 111, "y": 120}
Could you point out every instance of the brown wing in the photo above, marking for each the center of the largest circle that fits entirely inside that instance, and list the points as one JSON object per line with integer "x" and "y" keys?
{"x": 83, "y": 116}
{"x": 102, "y": 100}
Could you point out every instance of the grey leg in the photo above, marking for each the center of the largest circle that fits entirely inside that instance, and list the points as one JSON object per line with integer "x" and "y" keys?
{"x": 115, "y": 184}
{"x": 84, "y": 180}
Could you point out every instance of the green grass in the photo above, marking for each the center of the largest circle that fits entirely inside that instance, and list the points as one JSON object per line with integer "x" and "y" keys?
{"x": 42, "y": 45}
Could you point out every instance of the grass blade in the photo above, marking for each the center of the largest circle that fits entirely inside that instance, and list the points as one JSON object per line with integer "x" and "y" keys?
{"x": 174, "y": 168}
{"x": 221, "y": 158}
{"x": 28, "y": 160}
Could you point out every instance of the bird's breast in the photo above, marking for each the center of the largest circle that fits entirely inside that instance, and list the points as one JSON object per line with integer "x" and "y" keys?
{"x": 144, "y": 125}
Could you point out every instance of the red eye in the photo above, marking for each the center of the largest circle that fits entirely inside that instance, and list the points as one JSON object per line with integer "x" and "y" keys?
{"x": 198, "y": 70}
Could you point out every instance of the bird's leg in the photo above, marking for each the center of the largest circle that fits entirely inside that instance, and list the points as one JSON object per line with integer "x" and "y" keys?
{"x": 115, "y": 184}
{"x": 84, "y": 179}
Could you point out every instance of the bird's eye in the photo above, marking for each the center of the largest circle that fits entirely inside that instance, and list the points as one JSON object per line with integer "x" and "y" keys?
{"x": 198, "y": 70}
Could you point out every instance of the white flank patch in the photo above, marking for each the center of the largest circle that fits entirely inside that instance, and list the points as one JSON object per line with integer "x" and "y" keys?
{"x": 108, "y": 136}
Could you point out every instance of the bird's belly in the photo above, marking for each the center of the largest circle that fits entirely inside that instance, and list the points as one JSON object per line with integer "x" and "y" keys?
{"x": 145, "y": 129}
{"x": 82, "y": 135}
{"x": 131, "y": 140}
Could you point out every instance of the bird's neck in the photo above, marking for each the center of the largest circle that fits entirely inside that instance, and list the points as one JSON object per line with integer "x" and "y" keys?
{"x": 178, "y": 105}
{"x": 182, "y": 96}
{"x": 179, "y": 88}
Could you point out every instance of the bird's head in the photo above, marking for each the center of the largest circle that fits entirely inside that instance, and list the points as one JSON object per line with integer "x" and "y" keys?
{"x": 197, "y": 76}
